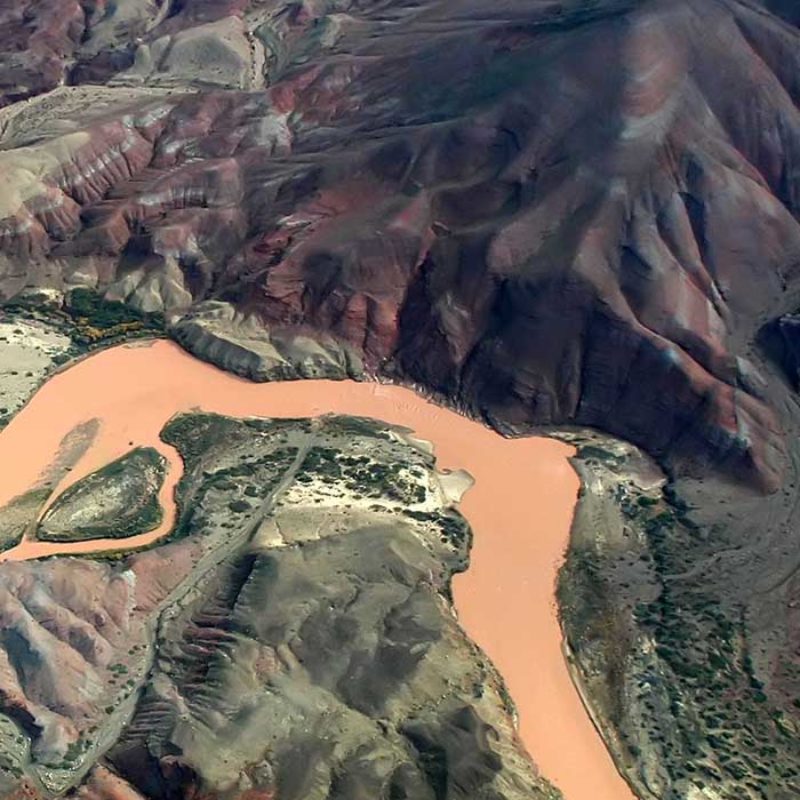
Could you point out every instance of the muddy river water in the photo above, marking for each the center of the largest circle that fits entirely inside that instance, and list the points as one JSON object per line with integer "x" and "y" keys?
{"x": 520, "y": 509}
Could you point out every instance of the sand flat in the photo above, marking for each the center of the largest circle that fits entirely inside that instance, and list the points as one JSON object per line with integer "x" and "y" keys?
{"x": 520, "y": 509}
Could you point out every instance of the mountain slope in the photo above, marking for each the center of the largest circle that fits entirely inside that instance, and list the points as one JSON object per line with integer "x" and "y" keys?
{"x": 545, "y": 212}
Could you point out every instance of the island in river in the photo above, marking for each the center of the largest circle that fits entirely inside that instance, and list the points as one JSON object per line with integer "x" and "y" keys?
{"x": 249, "y": 585}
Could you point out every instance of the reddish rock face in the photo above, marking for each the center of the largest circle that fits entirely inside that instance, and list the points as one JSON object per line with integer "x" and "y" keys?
{"x": 548, "y": 213}
{"x": 39, "y": 36}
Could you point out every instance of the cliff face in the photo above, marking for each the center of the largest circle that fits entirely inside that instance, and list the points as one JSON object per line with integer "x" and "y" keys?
{"x": 575, "y": 212}
{"x": 784, "y": 8}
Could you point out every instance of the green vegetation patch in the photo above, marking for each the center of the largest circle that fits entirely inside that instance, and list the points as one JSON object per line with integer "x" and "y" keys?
{"x": 673, "y": 665}
{"x": 357, "y": 426}
{"x": 195, "y": 434}
{"x": 96, "y": 318}
{"x": 117, "y": 501}
{"x": 591, "y": 451}
{"x": 453, "y": 528}
{"x": 87, "y": 318}
{"x": 361, "y": 475}
{"x": 216, "y": 478}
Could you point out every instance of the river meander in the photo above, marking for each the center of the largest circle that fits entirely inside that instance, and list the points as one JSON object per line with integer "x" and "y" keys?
{"x": 520, "y": 510}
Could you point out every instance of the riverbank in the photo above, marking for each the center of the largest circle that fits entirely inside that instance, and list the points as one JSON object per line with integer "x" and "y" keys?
{"x": 520, "y": 510}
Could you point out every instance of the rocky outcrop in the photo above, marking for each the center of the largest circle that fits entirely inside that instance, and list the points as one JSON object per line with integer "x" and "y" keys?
{"x": 216, "y": 332}
{"x": 781, "y": 339}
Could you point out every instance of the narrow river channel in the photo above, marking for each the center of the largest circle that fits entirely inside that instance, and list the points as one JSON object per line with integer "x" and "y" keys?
{"x": 520, "y": 509}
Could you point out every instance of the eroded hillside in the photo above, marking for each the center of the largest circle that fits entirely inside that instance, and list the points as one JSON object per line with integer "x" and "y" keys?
{"x": 294, "y": 639}
{"x": 582, "y": 218}
{"x": 543, "y": 213}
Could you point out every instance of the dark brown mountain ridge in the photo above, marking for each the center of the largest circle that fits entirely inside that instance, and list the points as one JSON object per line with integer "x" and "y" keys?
{"x": 549, "y": 213}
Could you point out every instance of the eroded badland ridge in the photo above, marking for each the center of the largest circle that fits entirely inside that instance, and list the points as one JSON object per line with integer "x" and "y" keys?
{"x": 584, "y": 216}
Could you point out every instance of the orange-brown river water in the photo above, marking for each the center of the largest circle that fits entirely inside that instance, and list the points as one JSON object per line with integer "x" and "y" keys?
{"x": 520, "y": 510}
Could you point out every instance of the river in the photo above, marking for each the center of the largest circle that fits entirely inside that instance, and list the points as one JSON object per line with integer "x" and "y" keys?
{"x": 520, "y": 510}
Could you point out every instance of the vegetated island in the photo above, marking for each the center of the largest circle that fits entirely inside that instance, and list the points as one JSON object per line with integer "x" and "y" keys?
{"x": 115, "y": 502}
